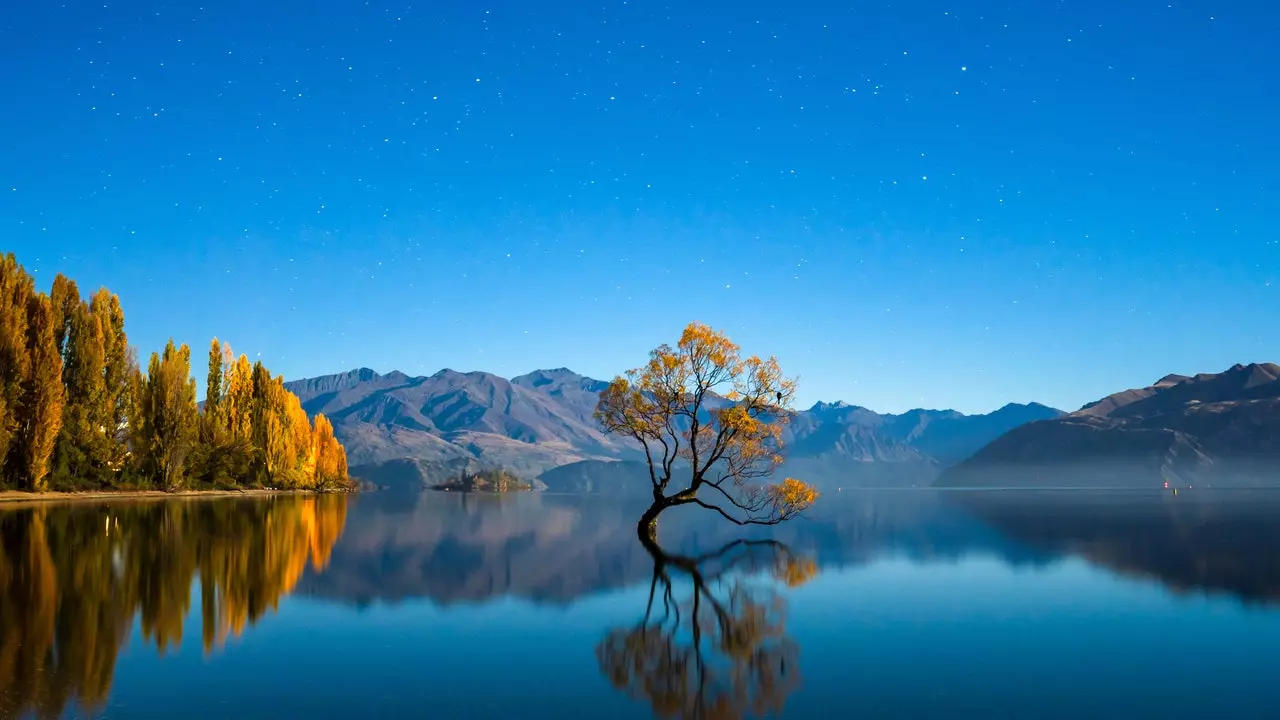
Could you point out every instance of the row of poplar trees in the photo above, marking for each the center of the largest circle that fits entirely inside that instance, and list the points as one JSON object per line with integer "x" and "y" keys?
{"x": 77, "y": 412}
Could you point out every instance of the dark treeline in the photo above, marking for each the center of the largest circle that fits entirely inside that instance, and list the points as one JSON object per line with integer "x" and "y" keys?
{"x": 78, "y": 413}
{"x": 75, "y": 577}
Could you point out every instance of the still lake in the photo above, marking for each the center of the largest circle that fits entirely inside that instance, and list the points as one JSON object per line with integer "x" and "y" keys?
{"x": 891, "y": 604}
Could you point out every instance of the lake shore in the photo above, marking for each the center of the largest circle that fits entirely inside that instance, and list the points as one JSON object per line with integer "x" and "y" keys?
{"x": 20, "y": 496}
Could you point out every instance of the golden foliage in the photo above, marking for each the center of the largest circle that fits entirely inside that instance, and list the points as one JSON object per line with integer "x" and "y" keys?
{"x": 113, "y": 405}
{"x": 89, "y": 338}
{"x": 237, "y": 401}
{"x": 330, "y": 458}
{"x": 40, "y": 406}
{"x": 16, "y": 287}
{"x": 211, "y": 420}
{"x": 77, "y": 411}
{"x": 701, "y": 408}
{"x": 31, "y": 392}
{"x": 166, "y": 417}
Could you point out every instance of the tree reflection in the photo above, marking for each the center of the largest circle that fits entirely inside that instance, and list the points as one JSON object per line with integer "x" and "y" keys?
{"x": 74, "y": 578}
{"x": 713, "y": 641}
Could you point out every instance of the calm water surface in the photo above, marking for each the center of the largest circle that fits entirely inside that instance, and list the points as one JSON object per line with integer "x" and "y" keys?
{"x": 883, "y": 604}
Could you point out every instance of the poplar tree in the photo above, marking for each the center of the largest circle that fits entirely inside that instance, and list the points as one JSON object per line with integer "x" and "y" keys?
{"x": 16, "y": 287}
{"x": 213, "y": 386}
{"x": 299, "y": 426}
{"x": 260, "y": 414}
{"x": 237, "y": 399}
{"x": 330, "y": 457}
{"x": 64, "y": 297}
{"x": 40, "y": 406}
{"x": 82, "y": 445}
{"x": 279, "y": 454}
{"x": 118, "y": 360}
{"x": 169, "y": 414}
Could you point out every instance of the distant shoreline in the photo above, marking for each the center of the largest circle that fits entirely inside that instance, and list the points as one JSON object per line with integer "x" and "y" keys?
{"x": 20, "y": 496}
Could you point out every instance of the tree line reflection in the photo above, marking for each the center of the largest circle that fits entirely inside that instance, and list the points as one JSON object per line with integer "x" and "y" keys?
{"x": 73, "y": 579}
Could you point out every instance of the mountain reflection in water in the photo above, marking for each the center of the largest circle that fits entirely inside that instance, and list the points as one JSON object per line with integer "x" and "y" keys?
{"x": 556, "y": 548}
{"x": 1214, "y": 541}
{"x": 708, "y": 626}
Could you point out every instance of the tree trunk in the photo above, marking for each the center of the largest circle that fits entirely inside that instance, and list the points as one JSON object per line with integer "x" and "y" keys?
{"x": 648, "y": 526}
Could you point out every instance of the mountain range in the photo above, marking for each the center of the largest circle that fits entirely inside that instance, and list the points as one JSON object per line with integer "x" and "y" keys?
{"x": 402, "y": 431}
{"x": 1217, "y": 428}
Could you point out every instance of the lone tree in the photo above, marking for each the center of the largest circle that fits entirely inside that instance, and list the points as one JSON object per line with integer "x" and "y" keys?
{"x": 704, "y": 413}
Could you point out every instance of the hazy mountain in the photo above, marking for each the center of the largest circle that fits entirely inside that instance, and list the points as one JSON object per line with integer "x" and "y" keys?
{"x": 942, "y": 436}
{"x": 950, "y": 437}
{"x": 1221, "y": 428}
{"x": 594, "y": 476}
{"x": 543, "y": 420}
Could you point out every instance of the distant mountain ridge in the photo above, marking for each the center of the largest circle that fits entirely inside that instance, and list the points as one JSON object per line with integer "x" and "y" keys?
{"x": 1222, "y": 428}
{"x": 544, "y": 419}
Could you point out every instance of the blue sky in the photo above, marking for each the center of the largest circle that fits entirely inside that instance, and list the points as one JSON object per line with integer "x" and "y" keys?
{"x": 910, "y": 204}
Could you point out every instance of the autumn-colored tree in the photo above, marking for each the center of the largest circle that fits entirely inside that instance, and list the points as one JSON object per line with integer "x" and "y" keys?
{"x": 96, "y": 356}
{"x": 264, "y": 407}
{"x": 330, "y": 457}
{"x": 168, "y": 414}
{"x": 342, "y": 476}
{"x": 118, "y": 361}
{"x": 136, "y": 435}
{"x": 263, "y": 436}
{"x": 112, "y": 423}
{"x": 40, "y": 404}
{"x": 237, "y": 399}
{"x": 213, "y": 391}
{"x": 222, "y": 458}
{"x": 82, "y": 444}
{"x": 280, "y": 455}
{"x": 66, "y": 298}
{"x": 701, "y": 411}
{"x": 16, "y": 287}
{"x": 300, "y": 427}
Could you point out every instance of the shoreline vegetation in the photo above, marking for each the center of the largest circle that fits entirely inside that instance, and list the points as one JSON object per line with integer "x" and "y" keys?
{"x": 11, "y": 498}
{"x": 79, "y": 416}
{"x": 484, "y": 481}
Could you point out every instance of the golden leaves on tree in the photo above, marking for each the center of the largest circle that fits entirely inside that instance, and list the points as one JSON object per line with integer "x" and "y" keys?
{"x": 31, "y": 392}
{"x": 257, "y": 430}
{"x": 702, "y": 411}
{"x": 76, "y": 411}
